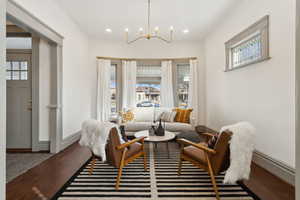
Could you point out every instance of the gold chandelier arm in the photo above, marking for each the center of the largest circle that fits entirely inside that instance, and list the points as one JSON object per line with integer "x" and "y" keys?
{"x": 161, "y": 38}
{"x": 138, "y": 38}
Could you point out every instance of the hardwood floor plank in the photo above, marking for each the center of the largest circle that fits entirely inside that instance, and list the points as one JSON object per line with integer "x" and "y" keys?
{"x": 48, "y": 177}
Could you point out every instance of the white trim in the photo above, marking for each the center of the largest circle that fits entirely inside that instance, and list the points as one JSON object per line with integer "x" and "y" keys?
{"x": 70, "y": 140}
{"x": 2, "y": 99}
{"x": 21, "y": 17}
{"x": 274, "y": 166}
{"x": 297, "y": 106}
{"x": 43, "y": 146}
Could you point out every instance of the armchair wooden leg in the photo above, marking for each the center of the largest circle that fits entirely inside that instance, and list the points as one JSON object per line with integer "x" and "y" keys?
{"x": 92, "y": 166}
{"x": 145, "y": 162}
{"x": 179, "y": 166}
{"x": 119, "y": 177}
{"x": 120, "y": 170}
{"x": 212, "y": 176}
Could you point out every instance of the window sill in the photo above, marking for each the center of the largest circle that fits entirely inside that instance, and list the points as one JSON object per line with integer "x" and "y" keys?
{"x": 245, "y": 65}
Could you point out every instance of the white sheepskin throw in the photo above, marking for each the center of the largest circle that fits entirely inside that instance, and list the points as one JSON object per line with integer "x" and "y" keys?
{"x": 241, "y": 149}
{"x": 94, "y": 135}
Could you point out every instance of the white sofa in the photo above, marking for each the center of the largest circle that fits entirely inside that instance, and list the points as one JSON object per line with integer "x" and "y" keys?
{"x": 143, "y": 118}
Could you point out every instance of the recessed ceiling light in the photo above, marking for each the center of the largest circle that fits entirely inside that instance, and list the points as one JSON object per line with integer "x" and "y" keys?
{"x": 185, "y": 31}
{"x": 108, "y": 30}
{"x": 126, "y": 30}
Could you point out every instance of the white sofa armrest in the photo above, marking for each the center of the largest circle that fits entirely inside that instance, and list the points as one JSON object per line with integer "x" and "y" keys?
{"x": 193, "y": 121}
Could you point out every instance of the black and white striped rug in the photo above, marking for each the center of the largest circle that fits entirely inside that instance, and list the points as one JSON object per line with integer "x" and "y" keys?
{"x": 160, "y": 182}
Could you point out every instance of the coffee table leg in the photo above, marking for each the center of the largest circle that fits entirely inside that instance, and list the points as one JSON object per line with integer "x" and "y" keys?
{"x": 168, "y": 149}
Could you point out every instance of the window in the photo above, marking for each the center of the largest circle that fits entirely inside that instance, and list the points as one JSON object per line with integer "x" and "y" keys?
{"x": 17, "y": 70}
{"x": 183, "y": 80}
{"x": 113, "y": 88}
{"x": 148, "y": 86}
{"x": 248, "y": 47}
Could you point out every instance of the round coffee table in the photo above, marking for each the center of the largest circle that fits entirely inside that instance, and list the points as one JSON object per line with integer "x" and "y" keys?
{"x": 157, "y": 139}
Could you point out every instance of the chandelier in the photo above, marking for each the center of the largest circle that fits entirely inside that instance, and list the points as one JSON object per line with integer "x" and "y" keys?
{"x": 148, "y": 35}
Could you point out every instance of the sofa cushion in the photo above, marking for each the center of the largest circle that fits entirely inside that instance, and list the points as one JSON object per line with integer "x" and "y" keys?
{"x": 183, "y": 115}
{"x": 178, "y": 127}
{"x": 145, "y": 114}
{"x": 137, "y": 126}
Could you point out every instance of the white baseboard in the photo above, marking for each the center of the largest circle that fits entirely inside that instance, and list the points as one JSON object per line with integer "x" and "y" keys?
{"x": 69, "y": 140}
{"x": 43, "y": 146}
{"x": 274, "y": 166}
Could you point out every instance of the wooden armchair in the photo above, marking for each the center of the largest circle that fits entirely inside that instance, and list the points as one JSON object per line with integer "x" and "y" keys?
{"x": 119, "y": 155}
{"x": 213, "y": 161}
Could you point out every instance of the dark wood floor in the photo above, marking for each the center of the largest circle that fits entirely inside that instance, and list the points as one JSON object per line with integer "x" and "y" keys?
{"x": 44, "y": 180}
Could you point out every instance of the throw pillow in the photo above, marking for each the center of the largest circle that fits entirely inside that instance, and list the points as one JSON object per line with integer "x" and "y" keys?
{"x": 168, "y": 116}
{"x": 183, "y": 115}
{"x": 212, "y": 142}
{"x": 127, "y": 116}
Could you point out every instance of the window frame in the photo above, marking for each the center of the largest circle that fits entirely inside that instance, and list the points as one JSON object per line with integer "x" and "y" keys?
{"x": 261, "y": 28}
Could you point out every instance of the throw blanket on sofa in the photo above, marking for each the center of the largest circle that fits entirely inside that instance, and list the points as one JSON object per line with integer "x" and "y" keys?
{"x": 94, "y": 135}
{"x": 241, "y": 149}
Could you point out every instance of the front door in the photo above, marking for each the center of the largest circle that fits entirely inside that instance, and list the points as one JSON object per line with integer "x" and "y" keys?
{"x": 19, "y": 101}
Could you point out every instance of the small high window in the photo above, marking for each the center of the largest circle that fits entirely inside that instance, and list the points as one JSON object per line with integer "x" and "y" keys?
{"x": 248, "y": 47}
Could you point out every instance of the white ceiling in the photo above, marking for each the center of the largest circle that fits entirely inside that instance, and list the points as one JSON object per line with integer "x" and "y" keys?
{"x": 94, "y": 16}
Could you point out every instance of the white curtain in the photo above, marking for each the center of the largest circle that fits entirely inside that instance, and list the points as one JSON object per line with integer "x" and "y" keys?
{"x": 166, "y": 89}
{"x": 103, "y": 90}
{"x": 129, "y": 84}
{"x": 194, "y": 91}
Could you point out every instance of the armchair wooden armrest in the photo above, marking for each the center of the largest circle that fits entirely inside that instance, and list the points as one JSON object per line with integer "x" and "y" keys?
{"x": 199, "y": 146}
{"x": 209, "y": 135}
{"x": 122, "y": 146}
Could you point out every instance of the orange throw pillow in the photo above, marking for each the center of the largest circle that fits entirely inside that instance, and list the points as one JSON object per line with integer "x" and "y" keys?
{"x": 183, "y": 115}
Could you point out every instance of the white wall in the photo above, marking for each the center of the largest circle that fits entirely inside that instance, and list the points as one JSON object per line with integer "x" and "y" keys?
{"x": 147, "y": 49}
{"x": 263, "y": 93}
{"x": 297, "y": 99}
{"x": 44, "y": 89}
{"x": 2, "y": 99}
{"x": 18, "y": 43}
{"x": 76, "y": 74}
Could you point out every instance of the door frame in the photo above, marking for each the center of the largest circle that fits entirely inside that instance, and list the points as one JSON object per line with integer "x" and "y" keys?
{"x": 2, "y": 99}
{"x": 22, "y": 18}
{"x": 297, "y": 105}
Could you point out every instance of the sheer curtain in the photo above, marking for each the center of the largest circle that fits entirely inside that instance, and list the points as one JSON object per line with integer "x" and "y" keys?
{"x": 103, "y": 90}
{"x": 194, "y": 90}
{"x": 129, "y": 84}
{"x": 166, "y": 90}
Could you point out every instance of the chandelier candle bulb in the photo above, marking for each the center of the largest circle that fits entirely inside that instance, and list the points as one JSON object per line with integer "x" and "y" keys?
{"x": 149, "y": 34}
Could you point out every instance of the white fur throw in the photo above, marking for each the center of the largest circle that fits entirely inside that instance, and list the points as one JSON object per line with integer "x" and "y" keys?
{"x": 241, "y": 149}
{"x": 94, "y": 135}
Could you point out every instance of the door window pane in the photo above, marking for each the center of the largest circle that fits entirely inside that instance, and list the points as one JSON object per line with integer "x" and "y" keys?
{"x": 15, "y": 75}
{"x": 24, "y": 65}
{"x": 8, "y": 75}
{"x": 24, "y": 75}
{"x": 16, "y": 70}
{"x": 8, "y": 65}
{"x": 15, "y": 65}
